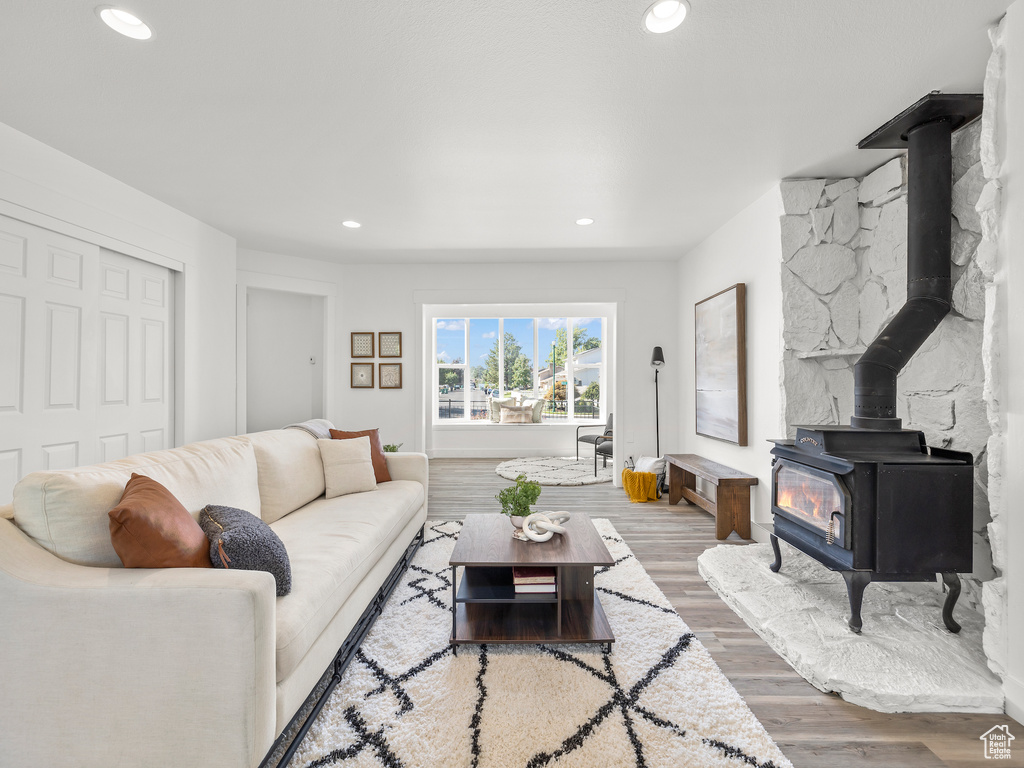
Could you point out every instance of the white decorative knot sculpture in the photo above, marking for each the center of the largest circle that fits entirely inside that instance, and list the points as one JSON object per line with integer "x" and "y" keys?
{"x": 541, "y": 526}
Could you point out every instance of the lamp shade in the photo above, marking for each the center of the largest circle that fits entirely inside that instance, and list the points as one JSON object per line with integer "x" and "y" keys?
{"x": 657, "y": 358}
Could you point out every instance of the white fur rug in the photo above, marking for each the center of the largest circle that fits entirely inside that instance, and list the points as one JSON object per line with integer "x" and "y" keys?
{"x": 557, "y": 471}
{"x": 904, "y": 660}
{"x": 657, "y": 700}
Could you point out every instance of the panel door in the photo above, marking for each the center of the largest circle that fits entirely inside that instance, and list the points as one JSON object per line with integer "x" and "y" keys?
{"x": 78, "y": 383}
{"x": 135, "y": 357}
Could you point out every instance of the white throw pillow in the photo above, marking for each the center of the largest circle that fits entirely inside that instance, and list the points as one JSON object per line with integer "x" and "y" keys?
{"x": 348, "y": 467}
{"x": 650, "y": 464}
{"x": 538, "y": 409}
{"x": 496, "y": 404}
{"x": 517, "y": 414}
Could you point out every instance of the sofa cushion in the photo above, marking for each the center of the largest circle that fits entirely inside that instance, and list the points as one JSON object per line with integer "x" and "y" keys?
{"x": 65, "y": 511}
{"x": 380, "y": 463}
{"x": 238, "y": 539}
{"x": 348, "y": 467}
{"x": 333, "y": 544}
{"x": 150, "y": 529}
{"x": 291, "y": 473}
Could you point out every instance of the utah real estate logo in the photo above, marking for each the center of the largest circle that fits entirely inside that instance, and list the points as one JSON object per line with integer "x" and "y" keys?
{"x": 997, "y": 742}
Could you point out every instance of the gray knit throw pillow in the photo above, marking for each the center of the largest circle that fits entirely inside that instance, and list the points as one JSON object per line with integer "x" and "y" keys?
{"x": 239, "y": 539}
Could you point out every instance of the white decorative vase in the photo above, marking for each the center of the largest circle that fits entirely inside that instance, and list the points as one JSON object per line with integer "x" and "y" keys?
{"x": 516, "y": 520}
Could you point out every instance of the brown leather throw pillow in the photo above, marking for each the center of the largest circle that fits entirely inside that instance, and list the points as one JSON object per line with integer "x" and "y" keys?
{"x": 380, "y": 464}
{"x": 150, "y": 529}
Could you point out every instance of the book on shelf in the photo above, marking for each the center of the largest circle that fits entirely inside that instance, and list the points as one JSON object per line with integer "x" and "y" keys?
{"x": 534, "y": 589}
{"x": 533, "y": 574}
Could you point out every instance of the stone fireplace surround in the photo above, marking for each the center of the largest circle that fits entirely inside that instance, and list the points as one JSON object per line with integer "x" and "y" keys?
{"x": 843, "y": 273}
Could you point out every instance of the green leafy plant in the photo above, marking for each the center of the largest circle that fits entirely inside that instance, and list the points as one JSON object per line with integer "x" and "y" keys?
{"x": 516, "y": 499}
{"x": 392, "y": 448}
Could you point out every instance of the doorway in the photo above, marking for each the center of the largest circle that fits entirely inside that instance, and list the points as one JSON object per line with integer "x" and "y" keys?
{"x": 285, "y": 355}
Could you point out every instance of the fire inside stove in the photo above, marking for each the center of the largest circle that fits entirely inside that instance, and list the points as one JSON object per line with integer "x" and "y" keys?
{"x": 808, "y": 497}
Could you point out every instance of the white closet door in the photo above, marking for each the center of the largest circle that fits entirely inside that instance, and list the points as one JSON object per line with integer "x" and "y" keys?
{"x": 85, "y": 353}
{"x": 135, "y": 357}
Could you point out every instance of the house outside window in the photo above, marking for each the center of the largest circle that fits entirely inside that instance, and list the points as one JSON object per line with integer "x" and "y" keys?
{"x": 557, "y": 359}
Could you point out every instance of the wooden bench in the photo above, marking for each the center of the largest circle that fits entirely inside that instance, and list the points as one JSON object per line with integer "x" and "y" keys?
{"x": 731, "y": 505}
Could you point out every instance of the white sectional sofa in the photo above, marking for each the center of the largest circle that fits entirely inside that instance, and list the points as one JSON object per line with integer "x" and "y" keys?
{"x": 106, "y": 666}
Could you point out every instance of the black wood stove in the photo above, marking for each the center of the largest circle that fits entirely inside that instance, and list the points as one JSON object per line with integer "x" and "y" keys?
{"x": 872, "y": 500}
{"x": 876, "y": 506}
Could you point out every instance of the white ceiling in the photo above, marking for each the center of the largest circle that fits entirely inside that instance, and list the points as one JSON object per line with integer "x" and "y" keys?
{"x": 467, "y": 130}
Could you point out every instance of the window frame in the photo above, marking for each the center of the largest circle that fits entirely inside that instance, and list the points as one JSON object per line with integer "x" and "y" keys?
{"x": 568, "y": 367}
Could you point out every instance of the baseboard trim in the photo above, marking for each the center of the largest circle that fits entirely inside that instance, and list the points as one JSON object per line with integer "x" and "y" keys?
{"x": 284, "y": 747}
{"x": 1014, "y": 692}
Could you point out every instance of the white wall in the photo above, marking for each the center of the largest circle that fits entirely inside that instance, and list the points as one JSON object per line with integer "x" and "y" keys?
{"x": 283, "y": 333}
{"x": 1012, "y": 301}
{"x": 389, "y": 297}
{"x": 747, "y": 249}
{"x": 45, "y": 187}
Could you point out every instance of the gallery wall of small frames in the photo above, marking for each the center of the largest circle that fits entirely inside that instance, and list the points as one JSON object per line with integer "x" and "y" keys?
{"x": 386, "y": 344}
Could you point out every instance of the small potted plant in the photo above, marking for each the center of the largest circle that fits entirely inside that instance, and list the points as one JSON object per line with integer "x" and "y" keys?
{"x": 516, "y": 499}
{"x": 392, "y": 447}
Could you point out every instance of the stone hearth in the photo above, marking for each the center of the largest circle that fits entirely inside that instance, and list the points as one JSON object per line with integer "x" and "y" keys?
{"x": 904, "y": 660}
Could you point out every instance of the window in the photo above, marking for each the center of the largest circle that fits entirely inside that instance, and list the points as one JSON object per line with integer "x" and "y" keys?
{"x": 450, "y": 357}
{"x": 518, "y": 356}
{"x": 587, "y": 355}
{"x": 557, "y": 359}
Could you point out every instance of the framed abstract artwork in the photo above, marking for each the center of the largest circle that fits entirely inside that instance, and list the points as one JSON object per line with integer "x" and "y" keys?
{"x": 362, "y": 344}
{"x": 362, "y": 375}
{"x": 390, "y": 375}
{"x": 389, "y": 343}
{"x": 720, "y": 368}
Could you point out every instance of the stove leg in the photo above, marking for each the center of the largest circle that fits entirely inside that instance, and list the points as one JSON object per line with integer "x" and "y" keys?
{"x": 778, "y": 555}
{"x": 856, "y": 582}
{"x": 952, "y": 582}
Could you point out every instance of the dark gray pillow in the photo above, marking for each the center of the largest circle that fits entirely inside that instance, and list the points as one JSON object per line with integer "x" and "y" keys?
{"x": 239, "y": 539}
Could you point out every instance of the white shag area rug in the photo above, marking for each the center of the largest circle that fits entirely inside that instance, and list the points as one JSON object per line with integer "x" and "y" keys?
{"x": 904, "y": 660}
{"x": 657, "y": 700}
{"x": 556, "y": 470}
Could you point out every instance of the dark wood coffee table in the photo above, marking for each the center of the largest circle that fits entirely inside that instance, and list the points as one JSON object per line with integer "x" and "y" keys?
{"x": 485, "y": 606}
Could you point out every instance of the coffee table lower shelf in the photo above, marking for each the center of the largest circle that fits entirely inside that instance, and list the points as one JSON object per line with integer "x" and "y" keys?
{"x": 522, "y": 623}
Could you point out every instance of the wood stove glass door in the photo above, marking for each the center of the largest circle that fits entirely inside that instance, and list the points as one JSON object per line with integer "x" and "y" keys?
{"x": 812, "y": 498}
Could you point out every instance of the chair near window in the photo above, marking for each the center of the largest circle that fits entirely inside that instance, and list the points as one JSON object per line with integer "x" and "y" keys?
{"x": 602, "y": 443}
{"x": 604, "y": 450}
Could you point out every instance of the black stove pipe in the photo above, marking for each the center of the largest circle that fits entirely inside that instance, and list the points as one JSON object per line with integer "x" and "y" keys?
{"x": 929, "y": 203}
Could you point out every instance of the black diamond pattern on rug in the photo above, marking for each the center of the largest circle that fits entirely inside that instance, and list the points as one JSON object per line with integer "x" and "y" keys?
{"x": 406, "y": 701}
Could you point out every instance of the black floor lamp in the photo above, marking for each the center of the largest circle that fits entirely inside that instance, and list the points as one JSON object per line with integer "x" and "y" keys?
{"x": 657, "y": 360}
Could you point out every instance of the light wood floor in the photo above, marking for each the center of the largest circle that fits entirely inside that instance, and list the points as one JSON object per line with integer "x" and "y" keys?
{"x": 814, "y": 729}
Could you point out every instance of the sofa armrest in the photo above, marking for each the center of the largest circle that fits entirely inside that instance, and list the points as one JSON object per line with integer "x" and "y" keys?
{"x": 411, "y": 466}
{"x": 408, "y": 466}
{"x": 107, "y": 666}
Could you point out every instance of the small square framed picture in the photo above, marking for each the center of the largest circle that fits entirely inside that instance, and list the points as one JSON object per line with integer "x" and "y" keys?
{"x": 362, "y": 375}
{"x": 390, "y": 375}
{"x": 390, "y": 343}
{"x": 362, "y": 344}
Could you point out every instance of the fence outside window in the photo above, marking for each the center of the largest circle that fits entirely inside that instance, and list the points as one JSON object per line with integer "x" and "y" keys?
{"x": 554, "y": 410}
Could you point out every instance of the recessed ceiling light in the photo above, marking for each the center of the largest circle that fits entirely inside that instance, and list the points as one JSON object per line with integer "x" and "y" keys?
{"x": 584, "y": 222}
{"x": 126, "y": 23}
{"x": 351, "y": 224}
{"x": 665, "y": 15}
